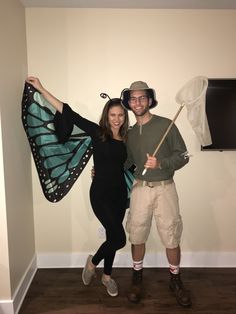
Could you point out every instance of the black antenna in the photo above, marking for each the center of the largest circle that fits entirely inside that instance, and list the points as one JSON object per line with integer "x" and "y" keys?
{"x": 104, "y": 95}
{"x": 121, "y": 94}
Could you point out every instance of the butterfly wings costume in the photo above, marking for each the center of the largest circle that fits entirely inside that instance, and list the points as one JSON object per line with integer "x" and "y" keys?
{"x": 60, "y": 148}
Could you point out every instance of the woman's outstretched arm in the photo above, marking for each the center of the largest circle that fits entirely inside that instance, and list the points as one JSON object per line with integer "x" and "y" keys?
{"x": 56, "y": 103}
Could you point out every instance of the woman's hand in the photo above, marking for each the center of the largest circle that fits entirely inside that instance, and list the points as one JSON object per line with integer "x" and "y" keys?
{"x": 34, "y": 81}
{"x": 92, "y": 172}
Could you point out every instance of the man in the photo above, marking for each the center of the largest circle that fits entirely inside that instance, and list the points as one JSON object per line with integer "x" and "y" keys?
{"x": 154, "y": 193}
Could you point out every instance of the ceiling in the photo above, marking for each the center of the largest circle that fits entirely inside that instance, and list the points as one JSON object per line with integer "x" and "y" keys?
{"x": 138, "y": 4}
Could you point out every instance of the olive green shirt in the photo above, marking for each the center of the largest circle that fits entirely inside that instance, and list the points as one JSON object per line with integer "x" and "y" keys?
{"x": 144, "y": 139}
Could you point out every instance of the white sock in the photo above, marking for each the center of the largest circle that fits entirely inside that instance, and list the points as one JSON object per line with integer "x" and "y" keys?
{"x": 138, "y": 265}
{"x": 174, "y": 269}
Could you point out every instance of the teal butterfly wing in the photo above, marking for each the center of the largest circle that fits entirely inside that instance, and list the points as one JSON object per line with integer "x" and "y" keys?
{"x": 58, "y": 164}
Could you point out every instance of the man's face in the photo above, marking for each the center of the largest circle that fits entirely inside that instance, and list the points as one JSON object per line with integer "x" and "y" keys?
{"x": 139, "y": 102}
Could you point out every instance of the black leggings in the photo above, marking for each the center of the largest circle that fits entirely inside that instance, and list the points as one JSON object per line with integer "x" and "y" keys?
{"x": 110, "y": 210}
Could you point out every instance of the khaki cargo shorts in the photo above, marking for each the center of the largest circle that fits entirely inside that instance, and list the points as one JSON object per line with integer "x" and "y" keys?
{"x": 158, "y": 199}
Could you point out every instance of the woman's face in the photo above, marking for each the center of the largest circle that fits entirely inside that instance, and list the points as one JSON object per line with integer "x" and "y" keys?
{"x": 116, "y": 117}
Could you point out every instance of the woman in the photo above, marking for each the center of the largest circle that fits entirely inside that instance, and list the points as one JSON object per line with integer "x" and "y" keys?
{"x": 108, "y": 191}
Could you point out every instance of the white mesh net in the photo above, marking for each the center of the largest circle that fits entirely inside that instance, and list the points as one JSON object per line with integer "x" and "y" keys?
{"x": 193, "y": 96}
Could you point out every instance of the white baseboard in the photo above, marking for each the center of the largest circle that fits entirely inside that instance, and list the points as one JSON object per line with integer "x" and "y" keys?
{"x": 6, "y": 307}
{"x": 123, "y": 259}
{"x": 13, "y": 306}
{"x": 21, "y": 290}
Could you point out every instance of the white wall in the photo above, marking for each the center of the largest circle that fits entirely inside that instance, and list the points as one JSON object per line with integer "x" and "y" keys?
{"x": 17, "y": 247}
{"x": 78, "y": 53}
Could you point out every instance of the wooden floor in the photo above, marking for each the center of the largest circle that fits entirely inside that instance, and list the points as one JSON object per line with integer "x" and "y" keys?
{"x": 62, "y": 291}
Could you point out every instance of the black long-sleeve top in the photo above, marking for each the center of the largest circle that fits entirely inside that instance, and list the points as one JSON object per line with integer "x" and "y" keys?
{"x": 109, "y": 156}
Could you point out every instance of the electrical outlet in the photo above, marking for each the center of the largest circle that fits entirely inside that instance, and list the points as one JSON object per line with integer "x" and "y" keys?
{"x": 101, "y": 233}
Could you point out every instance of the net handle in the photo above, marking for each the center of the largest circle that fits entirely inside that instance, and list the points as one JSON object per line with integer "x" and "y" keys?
{"x": 165, "y": 134}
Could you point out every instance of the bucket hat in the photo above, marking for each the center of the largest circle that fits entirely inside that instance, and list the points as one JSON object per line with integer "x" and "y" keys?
{"x": 138, "y": 85}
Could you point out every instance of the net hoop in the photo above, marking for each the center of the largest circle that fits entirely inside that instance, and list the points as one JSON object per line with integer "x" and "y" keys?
{"x": 193, "y": 91}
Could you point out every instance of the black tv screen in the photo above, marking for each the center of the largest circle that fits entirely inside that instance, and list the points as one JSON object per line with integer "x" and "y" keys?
{"x": 221, "y": 114}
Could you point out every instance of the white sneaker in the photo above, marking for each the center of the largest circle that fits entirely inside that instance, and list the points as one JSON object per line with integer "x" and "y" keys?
{"x": 88, "y": 274}
{"x": 111, "y": 286}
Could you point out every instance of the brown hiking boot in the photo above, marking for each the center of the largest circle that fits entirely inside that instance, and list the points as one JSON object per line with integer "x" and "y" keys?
{"x": 182, "y": 295}
{"x": 135, "y": 293}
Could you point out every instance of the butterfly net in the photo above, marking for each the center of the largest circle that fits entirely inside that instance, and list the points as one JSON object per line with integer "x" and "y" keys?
{"x": 193, "y": 96}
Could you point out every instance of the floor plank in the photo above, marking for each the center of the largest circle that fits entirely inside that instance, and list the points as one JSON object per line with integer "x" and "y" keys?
{"x": 62, "y": 291}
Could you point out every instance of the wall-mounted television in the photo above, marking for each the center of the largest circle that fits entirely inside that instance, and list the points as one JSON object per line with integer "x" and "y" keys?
{"x": 221, "y": 114}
